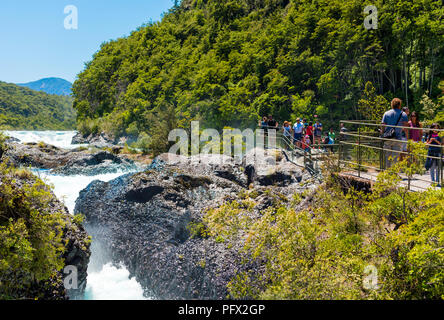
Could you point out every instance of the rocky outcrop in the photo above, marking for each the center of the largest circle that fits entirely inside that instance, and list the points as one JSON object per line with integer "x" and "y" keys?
{"x": 101, "y": 140}
{"x": 144, "y": 220}
{"x": 77, "y": 253}
{"x": 66, "y": 162}
{"x": 80, "y": 138}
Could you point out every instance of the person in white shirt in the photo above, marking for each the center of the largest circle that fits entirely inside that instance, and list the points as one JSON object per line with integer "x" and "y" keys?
{"x": 298, "y": 130}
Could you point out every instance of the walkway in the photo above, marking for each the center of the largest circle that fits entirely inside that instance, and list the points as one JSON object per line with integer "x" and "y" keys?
{"x": 360, "y": 154}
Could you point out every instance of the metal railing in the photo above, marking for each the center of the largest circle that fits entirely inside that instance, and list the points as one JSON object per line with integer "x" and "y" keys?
{"x": 312, "y": 156}
{"x": 363, "y": 149}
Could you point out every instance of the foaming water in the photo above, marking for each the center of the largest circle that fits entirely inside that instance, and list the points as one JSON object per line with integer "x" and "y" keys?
{"x": 109, "y": 283}
{"x": 61, "y": 139}
{"x": 113, "y": 283}
{"x": 67, "y": 188}
{"x": 105, "y": 282}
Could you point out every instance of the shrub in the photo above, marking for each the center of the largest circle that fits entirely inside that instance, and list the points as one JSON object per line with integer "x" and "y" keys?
{"x": 30, "y": 233}
{"x": 323, "y": 252}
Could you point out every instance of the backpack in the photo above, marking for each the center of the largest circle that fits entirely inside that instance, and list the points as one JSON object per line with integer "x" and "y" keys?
{"x": 391, "y": 133}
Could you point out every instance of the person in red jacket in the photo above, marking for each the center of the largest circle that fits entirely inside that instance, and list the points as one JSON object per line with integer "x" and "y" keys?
{"x": 310, "y": 132}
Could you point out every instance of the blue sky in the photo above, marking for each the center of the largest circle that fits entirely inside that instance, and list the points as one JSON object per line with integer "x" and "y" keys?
{"x": 35, "y": 43}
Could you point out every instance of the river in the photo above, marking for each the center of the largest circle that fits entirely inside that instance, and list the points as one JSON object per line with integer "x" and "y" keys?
{"x": 104, "y": 282}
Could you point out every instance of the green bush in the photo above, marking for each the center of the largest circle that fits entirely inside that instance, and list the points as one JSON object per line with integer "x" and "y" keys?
{"x": 31, "y": 244}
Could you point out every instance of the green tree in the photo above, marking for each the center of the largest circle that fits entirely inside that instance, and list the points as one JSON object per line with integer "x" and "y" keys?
{"x": 372, "y": 106}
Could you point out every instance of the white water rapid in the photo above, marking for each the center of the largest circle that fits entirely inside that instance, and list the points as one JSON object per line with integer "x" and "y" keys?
{"x": 107, "y": 282}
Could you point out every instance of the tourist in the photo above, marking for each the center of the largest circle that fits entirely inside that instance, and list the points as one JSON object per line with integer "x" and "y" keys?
{"x": 331, "y": 138}
{"x": 325, "y": 143}
{"x": 264, "y": 123}
{"x": 415, "y": 134}
{"x": 305, "y": 123}
{"x": 343, "y": 137}
{"x": 318, "y": 132}
{"x": 287, "y": 130}
{"x": 298, "y": 130}
{"x": 406, "y": 111}
{"x": 272, "y": 124}
{"x": 306, "y": 143}
{"x": 309, "y": 131}
{"x": 434, "y": 153}
{"x": 393, "y": 117}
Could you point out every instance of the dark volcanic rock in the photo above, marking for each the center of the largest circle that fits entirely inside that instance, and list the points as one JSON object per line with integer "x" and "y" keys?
{"x": 97, "y": 140}
{"x": 80, "y": 139}
{"x": 66, "y": 162}
{"x": 77, "y": 254}
{"x": 143, "y": 221}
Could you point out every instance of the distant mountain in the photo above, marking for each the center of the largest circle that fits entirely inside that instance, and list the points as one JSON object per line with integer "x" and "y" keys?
{"x": 57, "y": 86}
{"x": 25, "y": 109}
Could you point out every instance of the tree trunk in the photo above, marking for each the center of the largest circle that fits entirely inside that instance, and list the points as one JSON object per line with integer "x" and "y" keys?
{"x": 420, "y": 78}
{"x": 406, "y": 80}
{"x": 432, "y": 74}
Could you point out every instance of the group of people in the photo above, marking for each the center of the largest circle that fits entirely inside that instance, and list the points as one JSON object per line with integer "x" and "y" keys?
{"x": 303, "y": 134}
{"x": 398, "y": 126}
{"x": 413, "y": 130}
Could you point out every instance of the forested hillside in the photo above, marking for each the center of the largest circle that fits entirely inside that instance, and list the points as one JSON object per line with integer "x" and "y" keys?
{"x": 230, "y": 62}
{"x": 26, "y": 109}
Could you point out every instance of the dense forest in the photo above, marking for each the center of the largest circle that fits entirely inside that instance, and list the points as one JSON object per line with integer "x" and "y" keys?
{"x": 26, "y": 109}
{"x": 227, "y": 63}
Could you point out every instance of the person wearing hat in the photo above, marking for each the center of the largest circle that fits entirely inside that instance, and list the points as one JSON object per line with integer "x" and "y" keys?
{"x": 298, "y": 130}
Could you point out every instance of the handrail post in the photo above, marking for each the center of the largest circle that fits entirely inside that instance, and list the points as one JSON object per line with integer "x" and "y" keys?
{"x": 440, "y": 168}
{"x": 359, "y": 151}
{"x": 381, "y": 155}
{"x": 339, "y": 150}
{"x": 409, "y": 166}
